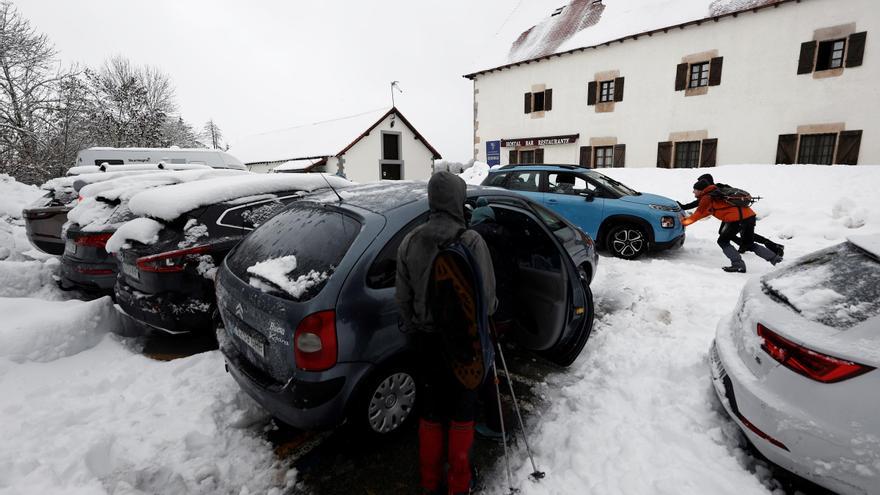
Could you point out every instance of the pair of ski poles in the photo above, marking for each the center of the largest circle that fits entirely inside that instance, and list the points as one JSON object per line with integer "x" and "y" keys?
{"x": 536, "y": 475}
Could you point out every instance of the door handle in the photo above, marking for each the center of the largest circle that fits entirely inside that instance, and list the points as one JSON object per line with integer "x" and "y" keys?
{"x": 552, "y": 201}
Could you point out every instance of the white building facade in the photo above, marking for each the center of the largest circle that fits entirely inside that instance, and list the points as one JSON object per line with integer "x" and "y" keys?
{"x": 782, "y": 82}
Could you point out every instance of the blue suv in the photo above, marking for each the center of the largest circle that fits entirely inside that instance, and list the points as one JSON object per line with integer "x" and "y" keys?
{"x": 626, "y": 222}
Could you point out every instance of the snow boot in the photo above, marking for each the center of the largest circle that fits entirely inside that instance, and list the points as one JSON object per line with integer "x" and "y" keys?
{"x": 734, "y": 269}
{"x": 430, "y": 455}
{"x": 461, "y": 438}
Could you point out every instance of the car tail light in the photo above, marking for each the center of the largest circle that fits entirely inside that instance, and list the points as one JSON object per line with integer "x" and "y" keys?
{"x": 171, "y": 261}
{"x": 809, "y": 363}
{"x": 93, "y": 240}
{"x": 95, "y": 271}
{"x": 314, "y": 341}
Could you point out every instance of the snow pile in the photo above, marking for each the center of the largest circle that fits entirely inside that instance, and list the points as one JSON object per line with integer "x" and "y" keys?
{"x": 143, "y": 230}
{"x": 30, "y": 278}
{"x": 170, "y": 202}
{"x": 15, "y": 196}
{"x": 38, "y": 330}
{"x": 476, "y": 173}
{"x": 277, "y": 272}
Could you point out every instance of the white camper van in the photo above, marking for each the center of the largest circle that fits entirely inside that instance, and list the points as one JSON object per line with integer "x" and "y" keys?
{"x": 130, "y": 156}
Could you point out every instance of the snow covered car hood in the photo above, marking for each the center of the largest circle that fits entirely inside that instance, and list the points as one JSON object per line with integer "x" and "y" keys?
{"x": 651, "y": 199}
{"x": 870, "y": 243}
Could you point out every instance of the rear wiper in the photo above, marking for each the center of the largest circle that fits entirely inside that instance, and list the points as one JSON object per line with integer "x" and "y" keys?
{"x": 275, "y": 287}
{"x": 777, "y": 296}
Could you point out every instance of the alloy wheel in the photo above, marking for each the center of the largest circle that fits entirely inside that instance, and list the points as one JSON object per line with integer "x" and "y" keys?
{"x": 392, "y": 402}
{"x": 628, "y": 242}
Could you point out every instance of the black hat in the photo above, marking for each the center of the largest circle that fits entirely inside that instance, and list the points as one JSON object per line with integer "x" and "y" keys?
{"x": 707, "y": 177}
{"x": 701, "y": 184}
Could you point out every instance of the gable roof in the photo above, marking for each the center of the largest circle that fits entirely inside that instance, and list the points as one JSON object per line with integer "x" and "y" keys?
{"x": 583, "y": 24}
{"x": 316, "y": 140}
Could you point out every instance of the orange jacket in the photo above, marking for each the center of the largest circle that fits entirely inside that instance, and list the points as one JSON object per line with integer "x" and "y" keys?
{"x": 720, "y": 209}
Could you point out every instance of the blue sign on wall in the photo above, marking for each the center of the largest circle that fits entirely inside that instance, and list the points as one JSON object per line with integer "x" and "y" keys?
{"x": 493, "y": 152}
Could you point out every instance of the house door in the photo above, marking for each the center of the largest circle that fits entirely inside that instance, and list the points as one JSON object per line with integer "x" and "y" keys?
{"x": 391, "y": 171}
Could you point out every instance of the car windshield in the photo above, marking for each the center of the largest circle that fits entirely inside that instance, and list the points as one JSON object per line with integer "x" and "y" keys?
{"x": 612, "y": 185}
{"x": 294, "y": 253}
{"x": 838, "y": 286}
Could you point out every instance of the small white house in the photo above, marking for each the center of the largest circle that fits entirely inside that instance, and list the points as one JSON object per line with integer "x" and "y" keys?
{"x": 371, "y": 146}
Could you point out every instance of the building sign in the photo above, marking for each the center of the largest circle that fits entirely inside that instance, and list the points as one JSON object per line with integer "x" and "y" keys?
{"x": 539, "y": 141}
{"x": 493, "y": 153}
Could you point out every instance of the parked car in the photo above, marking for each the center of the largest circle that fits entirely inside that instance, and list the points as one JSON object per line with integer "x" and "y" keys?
{"x": 85, "y": 264}
{"x": 796, "y": 366}
{"x": 167, "y": 285}
{"x": 45, "y": 218}
{"x": 311, "y": 326}
{"x": 128, "y": 156}
{"x": 626, "y": 222}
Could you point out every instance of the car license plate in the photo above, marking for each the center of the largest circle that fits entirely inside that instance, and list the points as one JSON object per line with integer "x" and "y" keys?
{"x": 69, "y": 247}
{"x": 131, "y": 271}
{"x": 251, "y": 342}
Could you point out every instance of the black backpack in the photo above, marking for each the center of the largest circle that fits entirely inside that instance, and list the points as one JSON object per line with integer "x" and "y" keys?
{"x": 733, "y": 196}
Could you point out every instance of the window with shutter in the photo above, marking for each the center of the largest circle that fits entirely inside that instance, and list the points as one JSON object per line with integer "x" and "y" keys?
{"x": 664, "y": 154}
{"x": 606, "y": 91}
{"x": 807, "y": 58}
{"x": 539, "y": 156}
{"x": 681, "y": 77}
{"x": 586, "y": 155}
{"x": 511, "y": 157}
{"x": 592, "y": 88}
{"x": 786, "y": 150}
{"x": 708, "y": 152}
{"x": 830, "y": 54}
{"x": 816, "y": 149}
{"x": 548, "y": 100}
{"x": 619, "y": 156}
{"x": 538, "y": 102}
{"x": 699, "y": 75}
{"x": 528, "y": 103}
{"x": 618, "y": 89}
{"x": 604, "y": 156}
{"x": 715, "y": 71}
{"x": 687, "y": 154}
{"x": 856, "y": 49}
{"x": 848, "y": 147}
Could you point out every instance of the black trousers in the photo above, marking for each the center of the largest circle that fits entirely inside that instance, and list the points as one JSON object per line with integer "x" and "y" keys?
{"x": 742, "y": 232}
{"x": 442, "y": 397}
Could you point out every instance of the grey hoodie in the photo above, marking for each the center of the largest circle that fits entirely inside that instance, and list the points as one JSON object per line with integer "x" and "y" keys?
{"x": 446, "y": 197}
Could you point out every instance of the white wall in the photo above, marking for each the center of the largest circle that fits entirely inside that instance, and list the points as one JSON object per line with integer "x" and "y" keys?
{"x": 361, "y": 162}
{"x": 760, "y": 97}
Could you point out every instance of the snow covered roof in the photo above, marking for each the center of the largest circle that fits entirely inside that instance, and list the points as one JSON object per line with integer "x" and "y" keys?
{"x": 297, "y": 165}
{"x": 315, "y": 140}
{"x": 168, "y": 203}
{"x": 542, "y": 28}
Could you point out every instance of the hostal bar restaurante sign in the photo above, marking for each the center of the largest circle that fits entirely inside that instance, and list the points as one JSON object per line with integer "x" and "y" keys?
{"x": 539, "y": 141}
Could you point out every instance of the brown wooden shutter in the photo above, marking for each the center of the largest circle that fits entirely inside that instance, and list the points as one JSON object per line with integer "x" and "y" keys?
{"x": 528, "y": 103}
{"x": 715, "y": 71}
{"x": 681, "y": 77}
{"x": 856, "y": 50}
{"x": 848, "y": 147}
{"x": 808, "y": 57}
{"x": 591, "y": 93}
{"x": 619, "y": 156}
{"x": 618, "y": 89}
{"x": 786, "y": 151}
{"x": 548, "y": 99}
{"x": 539, "y": 156}
{"x": 586, "y": 156}
{"x": 708, "y": 152}
{"x": 664, "y": 154}
{"x": 511, "y": 160}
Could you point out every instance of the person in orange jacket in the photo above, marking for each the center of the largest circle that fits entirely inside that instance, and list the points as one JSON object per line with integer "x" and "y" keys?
{"x": 735, "y": 220}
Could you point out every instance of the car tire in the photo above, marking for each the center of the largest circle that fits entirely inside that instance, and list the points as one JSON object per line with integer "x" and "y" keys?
{"x": 387, "y": 402}
{"x": 627, "y": 241}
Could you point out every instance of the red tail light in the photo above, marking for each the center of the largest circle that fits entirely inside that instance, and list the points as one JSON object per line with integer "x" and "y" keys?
{"x": 171, "y": 261}
{"x": 314, "y": 341}
{"x": 811, "y": 364}
{"x": 93, "y": 240}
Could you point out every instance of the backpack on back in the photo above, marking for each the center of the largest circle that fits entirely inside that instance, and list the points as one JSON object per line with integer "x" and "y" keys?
{"x": 734, "y": 196}
{"x": 459, "y": 314}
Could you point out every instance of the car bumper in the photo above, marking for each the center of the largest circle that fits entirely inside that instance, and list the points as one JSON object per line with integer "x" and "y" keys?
{"x": 167, "y": 312}
{"x": 310, "y": 401}
{"x": 95, "y": 277}
{"x": 782, "y": 432}
{"x": 673, "y": 243}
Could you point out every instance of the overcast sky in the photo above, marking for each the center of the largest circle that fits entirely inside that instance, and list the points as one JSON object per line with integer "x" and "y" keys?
{"x": 259, "y": 65}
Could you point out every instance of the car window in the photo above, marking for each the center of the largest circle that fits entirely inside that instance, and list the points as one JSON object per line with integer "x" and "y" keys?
{"x": 563, "y": 231}
{"x": 525, "y": 181}
{"x": 383, "y": 271}
{"x": 568, "y": 183}
{"x": 496, "y": 180}
{"x": 253, "y": 215}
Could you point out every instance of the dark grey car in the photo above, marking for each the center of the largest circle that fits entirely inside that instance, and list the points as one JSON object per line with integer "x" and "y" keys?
{"x": 311, "y": 327}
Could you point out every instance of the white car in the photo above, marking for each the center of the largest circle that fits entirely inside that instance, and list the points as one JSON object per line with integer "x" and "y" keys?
{"x": 795, "y": 366}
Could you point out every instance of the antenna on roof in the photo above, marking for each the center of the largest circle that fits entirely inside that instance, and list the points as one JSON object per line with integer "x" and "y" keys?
{"x": 331, "y": 187}
{"x": 394, "y": 85}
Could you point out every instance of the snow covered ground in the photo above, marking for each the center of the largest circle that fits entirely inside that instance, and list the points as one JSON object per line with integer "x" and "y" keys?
{"x": 83, "y": 411}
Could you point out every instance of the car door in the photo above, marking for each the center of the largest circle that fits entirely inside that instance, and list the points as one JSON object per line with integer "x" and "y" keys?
{"x": 527, "y": 183}
{"x": 577, "y": 199}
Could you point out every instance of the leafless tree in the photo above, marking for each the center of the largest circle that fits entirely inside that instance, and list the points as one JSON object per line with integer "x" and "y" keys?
{"x": 212, "y": 133}
{"x": 177, "y": 132}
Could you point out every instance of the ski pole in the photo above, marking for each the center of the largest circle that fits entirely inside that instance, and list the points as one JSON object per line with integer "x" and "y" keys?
{"x": 503, "y": 431}
{"x": 536, "y": 475}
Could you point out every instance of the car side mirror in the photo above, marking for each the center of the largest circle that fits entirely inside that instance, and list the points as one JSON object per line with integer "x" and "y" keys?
{"x": 588, "y": 196}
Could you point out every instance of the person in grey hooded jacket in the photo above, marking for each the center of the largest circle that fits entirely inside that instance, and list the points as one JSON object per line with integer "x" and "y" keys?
{"x": 445, "y": 403}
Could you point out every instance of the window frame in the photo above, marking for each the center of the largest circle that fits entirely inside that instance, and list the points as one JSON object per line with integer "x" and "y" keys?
{"x": 686, "y": 149}
{"x": 606, "y": 91}
{"x": 826, "y": 61}
{"x": 607, "y": 158}
{"x": 817, "y": 148}
{"x": 702, "y": 71}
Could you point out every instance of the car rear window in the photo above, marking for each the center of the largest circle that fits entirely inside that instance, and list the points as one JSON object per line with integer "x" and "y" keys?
{"x": 294, "y": 253}
{"x": 838, "y": 286}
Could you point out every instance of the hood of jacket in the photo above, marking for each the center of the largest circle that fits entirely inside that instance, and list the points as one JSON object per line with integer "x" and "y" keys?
{"x": 447, "y": 193}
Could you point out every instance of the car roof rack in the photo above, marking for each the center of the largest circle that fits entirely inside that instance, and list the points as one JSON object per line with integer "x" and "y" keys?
{"x": 559, "y": 165}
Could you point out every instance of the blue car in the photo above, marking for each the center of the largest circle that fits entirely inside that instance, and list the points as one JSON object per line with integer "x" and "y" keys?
{"x": 624, "y": 221}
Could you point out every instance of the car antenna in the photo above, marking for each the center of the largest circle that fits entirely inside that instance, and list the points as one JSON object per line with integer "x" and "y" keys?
{"x": 332, "y": 188}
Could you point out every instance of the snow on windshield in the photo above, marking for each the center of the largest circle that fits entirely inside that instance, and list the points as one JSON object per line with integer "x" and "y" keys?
{"x": 170, "y": 202}
{"x": 838, "y": 286}
{"x": 279, "y": 273}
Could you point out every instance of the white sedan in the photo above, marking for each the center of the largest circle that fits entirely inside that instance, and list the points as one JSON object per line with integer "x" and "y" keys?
{"x": 795, "y": 366}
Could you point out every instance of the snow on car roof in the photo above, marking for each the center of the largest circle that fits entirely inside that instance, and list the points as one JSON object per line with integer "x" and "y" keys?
{"x": 117, "y": 187}
{"x": 539, "y": 28}
{"x": 96, "y": 169}
{"x": 168, "y": 203}
{"x": 379, "y": 196}
{"x": 870, "y": 243}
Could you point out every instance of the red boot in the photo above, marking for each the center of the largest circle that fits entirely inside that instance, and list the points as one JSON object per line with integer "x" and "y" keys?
{"x": 430, "y": 454}
{"x": 461, "y": 438}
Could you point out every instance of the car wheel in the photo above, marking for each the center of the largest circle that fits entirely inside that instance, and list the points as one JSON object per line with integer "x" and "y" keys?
{"x": 388, "y": 401}
{"x": 627, "y": 241}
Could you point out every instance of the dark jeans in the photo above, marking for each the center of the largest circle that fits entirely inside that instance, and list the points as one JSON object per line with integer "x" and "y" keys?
{"x": 745, "y": 229}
